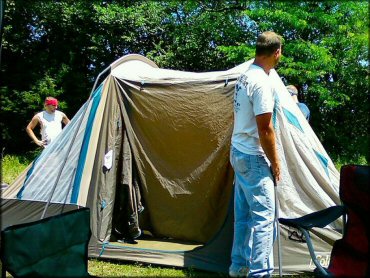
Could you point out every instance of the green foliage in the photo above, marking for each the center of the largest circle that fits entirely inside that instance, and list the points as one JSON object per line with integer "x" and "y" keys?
{"x": 59, "y": 47}
{"x": 194, "y": 31}
{"x": 340, "y": 161}
{"x": 326, "y": 55}
{"x": 13, "y": 165}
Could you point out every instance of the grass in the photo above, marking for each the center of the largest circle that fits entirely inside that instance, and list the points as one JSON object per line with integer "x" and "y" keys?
{"x": 13, "y": 165}
{"x": 127, "y": 269}
{"x": 107, "y": 268}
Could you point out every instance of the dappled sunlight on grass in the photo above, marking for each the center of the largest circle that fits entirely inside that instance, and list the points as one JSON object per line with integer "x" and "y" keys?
{"x": 106, "y": 268}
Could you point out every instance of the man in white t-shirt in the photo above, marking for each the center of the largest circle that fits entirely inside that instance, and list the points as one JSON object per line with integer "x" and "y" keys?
{"x": 253, "y": 156}
{"x": 50, "y": 121}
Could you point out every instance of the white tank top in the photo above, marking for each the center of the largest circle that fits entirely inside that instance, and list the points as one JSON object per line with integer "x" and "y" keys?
{"x": 51, "y": 125}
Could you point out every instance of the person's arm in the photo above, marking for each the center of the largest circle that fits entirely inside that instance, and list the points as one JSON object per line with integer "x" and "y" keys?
{"x": 267, "y": 139}
{"x": 32, "y": 124}
{"x": 65, "y": 119}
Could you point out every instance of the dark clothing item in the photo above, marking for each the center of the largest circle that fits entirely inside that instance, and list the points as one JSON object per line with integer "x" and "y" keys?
{"x": 305, "y": 110}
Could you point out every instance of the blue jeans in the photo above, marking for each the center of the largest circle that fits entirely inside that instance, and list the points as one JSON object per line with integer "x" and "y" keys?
{"x": 254, "y": 214}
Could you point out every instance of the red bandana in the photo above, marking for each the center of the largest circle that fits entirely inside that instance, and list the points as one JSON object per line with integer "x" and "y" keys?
{"x": 53, "y": 102}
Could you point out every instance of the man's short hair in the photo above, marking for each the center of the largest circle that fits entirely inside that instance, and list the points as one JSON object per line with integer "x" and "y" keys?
{"x": 267, "y": 43}
{"x": 49, "y": 98}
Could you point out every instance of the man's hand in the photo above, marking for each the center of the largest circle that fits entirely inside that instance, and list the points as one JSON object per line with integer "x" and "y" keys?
{"x": 276, "y": 171}
{"x": 40, "y": 143}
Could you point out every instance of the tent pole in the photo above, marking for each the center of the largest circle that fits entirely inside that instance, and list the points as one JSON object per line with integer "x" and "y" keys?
{"x": 277, "y": 224}
{"x": 97, "y": 79}
{"x": 70, "y": 147}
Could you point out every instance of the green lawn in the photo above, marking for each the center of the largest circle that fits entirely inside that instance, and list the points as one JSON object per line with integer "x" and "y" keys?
{"x": 119, "y": 269}
{"x": 106, "y": 268}
{"x": 12, "y": 166}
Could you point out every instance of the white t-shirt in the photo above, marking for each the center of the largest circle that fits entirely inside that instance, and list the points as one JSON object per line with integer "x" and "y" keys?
{"x": 253, "y": 96}
{"x": 51, "y": 125}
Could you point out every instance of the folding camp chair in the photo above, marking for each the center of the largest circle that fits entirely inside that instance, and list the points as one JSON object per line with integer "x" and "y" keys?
{"x": 56, "y": 246}
{"x": 350, "y": 254}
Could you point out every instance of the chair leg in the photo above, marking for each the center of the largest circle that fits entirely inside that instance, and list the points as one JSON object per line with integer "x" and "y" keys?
{"x": 322, "y": 270}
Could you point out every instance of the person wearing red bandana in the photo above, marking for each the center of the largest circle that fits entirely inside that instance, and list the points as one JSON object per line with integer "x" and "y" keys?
{"x": 50, "y": 121}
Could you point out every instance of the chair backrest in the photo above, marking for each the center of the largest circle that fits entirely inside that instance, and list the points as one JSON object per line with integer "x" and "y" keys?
{"x": 354, "y": 188}
{"x": 56, "y": 246}
{"x": 350, "y": 255}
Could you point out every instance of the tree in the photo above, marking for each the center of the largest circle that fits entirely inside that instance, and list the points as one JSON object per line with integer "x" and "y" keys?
{"x": 326, "y": 55}
{"x": 59, "y": 47}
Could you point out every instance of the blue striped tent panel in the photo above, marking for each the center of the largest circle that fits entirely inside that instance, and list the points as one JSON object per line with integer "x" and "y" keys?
{"x": 85, "y": 144}
{"x": 323, "y": 160}
{"x": 292, "y": 119}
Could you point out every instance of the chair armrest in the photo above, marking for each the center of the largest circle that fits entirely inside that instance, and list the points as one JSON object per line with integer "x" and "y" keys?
{"x": 316, "y": 219}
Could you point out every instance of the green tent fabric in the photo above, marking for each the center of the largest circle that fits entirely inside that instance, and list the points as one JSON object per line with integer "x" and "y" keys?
{"x": 52, "y": 247}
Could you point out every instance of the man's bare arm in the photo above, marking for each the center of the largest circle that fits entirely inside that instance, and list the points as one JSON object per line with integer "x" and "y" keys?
{"x": 32, "y": 124}
{"x": 267, "y": 139}
{"x": 65, "y": 119}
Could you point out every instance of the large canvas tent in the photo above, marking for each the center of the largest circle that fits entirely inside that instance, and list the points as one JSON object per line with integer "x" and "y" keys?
{"x": 149, "y": 152}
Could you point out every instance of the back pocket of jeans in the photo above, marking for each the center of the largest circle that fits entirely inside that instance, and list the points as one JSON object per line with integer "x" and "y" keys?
{"x": 239, "y": 163}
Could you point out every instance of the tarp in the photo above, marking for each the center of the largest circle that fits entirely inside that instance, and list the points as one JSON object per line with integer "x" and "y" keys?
{"x": 56, "y": 246}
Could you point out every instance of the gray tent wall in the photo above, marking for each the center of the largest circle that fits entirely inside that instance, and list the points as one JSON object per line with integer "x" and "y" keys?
{"x": 137, "y": 94}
